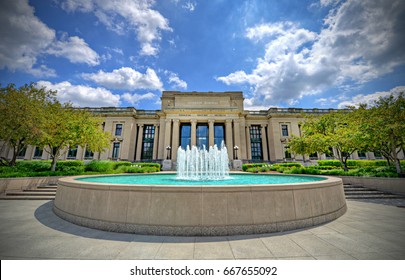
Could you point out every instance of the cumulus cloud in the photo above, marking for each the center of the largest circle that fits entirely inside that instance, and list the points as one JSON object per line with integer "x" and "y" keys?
{"x": 360, "y": 41}
{"x": 76, "y": 50}
{"x": 120, "y": 16}
{"x": 135, "y": 98}
{"x": 175, "y": 81}
{"x": 126, "y": 78}
{"x": 81, "y": 95}
{"x": 24, "y": 37}
{"x": 370, "y": 98}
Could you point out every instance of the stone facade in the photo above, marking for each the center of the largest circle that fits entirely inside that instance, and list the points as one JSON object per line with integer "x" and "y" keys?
{"x": 196, "y": 118}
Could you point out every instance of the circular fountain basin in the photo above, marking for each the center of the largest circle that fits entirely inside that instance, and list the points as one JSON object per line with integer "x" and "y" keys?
{"x": 161, "y": 205}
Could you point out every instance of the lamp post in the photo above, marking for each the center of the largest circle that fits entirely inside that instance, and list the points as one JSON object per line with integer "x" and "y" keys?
{"x": 235, "y": 149}
{"x": 168, "y": 148}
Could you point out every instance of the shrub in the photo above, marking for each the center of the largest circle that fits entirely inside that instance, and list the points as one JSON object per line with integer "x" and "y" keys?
{"x": 289, "y": 164}
{"x": 34, "y": 165}
{"x": 70, "y": 166}
{"x": 247, "y": 166}
{"x": 99, "y": 166}
{"x": 329, "y": 162}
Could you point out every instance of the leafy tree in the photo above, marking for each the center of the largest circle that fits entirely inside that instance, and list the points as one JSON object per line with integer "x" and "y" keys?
{"x": 384, "y": 127}
{"x": 338, "y": 130}
{"x": 21, "y": 112}
{"x": 67, "y": 127}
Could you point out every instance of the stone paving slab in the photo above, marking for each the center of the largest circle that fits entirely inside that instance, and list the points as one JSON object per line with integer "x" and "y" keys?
{"x": 368, "y": 231}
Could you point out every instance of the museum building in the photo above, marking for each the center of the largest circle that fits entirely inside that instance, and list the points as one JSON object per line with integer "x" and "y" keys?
{"x": 197, "y": 118}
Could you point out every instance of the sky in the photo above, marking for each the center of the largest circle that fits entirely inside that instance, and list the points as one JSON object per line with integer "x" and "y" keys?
{"x": 285, "y": 53}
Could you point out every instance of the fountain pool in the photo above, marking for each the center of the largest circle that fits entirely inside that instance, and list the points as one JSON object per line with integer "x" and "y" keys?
{"x": 199, "y": 208}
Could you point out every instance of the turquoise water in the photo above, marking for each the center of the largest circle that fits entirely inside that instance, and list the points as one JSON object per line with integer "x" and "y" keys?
{"x": 170, "y": 179}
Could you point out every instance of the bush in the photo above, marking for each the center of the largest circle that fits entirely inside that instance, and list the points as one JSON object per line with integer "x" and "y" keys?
{"x": 289, "y": 164}
{"x": 247, "y": 166}
{"x": 105, "y": 166}
{"x": 76, "y": 166}
{"x": 33, "y": 165}
{"x": 329, "y": 162}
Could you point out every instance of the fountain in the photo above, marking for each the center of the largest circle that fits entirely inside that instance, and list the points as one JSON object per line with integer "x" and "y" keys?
{"x": 199, "y": 200}
{"x": 202, "y": 164}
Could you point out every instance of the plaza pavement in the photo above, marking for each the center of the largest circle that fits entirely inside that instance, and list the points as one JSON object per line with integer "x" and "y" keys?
{"x": 369, "y": 230}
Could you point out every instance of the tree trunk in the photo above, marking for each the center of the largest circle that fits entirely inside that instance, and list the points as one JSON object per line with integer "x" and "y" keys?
{"x": 53, "y": 165}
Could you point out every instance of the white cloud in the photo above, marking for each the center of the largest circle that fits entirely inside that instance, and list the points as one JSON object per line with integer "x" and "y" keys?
{"x": 76, "y": 50}
{"x": 135, "y": 98}
{"x": 120, "y": 16}
{"x": 189, "y": 6}
{"x": 174, "y": 80}
{"x": 360, "y": 41}
{"x": 81, "y": 95}
{"x": 24, "y": 38}
{"x": 126, "y": 78}
{"x": 370, "y": 98}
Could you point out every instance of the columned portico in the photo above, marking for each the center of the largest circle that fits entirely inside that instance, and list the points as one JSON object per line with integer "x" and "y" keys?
{"x": 211, "y": 132}
{"x": 193, "y": 132}
{"x": 264, "y": 143}
{"x": 139, "y": 143}
{"x": 175, "y": 139}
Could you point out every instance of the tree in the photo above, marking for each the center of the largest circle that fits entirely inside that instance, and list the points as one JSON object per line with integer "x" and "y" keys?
{"x": 384, "y": 127}
{"x": 21, "y": 112}
{"x": 67, "y": 127}
{"x": 338, "y": 130}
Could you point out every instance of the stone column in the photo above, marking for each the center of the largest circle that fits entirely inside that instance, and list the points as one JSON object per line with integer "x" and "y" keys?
{"x": 155, "y": 142}
{"x": 175, "y": 139}
{"x": 139, "y": 143}
{"x": 248, "y": 145}
{"x": 162, "y": 147}
{"x": 264, "y": 143}
{"x": 168, "y": 135}
{"x": 210, "y": 133}
{"x": 228, "y": 137}
{"x": 243, "y": 145}
{"x": 193, "y": 136}
{"x": 236, "y": 131}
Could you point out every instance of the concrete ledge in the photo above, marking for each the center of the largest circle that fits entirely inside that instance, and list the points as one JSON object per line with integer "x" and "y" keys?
{"x": 393, "y": 185}
{"x": 25, "y": 183}
{"x": 199, "y": 210}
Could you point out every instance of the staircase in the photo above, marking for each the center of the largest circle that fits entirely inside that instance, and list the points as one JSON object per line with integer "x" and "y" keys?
{"x": 37, "y": 193}
{"x": 360, "y": 192}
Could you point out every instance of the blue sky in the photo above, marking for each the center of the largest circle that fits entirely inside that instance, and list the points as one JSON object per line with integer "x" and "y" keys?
{"x": 290, "y": 53}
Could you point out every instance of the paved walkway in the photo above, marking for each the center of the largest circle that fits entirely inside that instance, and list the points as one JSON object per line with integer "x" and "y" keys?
{"x": 30, "y": 230}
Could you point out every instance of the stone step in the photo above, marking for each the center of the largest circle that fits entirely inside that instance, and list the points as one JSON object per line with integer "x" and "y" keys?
{"x": 364, "y": 192}
{"x": 27, "y": 197}
{"x": 41, "y": 190}
{"x": 387, "y": 196}
{"x": 29, "y": 193}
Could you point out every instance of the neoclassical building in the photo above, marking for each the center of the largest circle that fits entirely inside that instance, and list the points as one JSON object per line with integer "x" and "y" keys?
{"x": 201, "y": 119}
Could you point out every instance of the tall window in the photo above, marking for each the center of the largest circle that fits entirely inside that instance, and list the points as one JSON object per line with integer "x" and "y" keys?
{"x": 330, "y": 153}
{"x": 118, "y": 129}
{"x": 38, "y": 152}
{"x": 361, "y": 154}
{"x": 147, "y": 141}
{"x": 219, "y": 134}
{"x": 287, "y": 153}
{"x": 72, "y": 153}
{"x": 256, "y": 142}
{"x": 185, "y": 135}
{"x": 88, "y": 154}
{"x": 284, "y": 130}
{"x": 21, "y": 154}
{"x": 116, "y": 150}
{"x": 202, "y": 136}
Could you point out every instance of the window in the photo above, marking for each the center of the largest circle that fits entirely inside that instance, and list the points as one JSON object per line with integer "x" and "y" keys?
{"x": 147, "y": 141}
{"x": 21, "y": 154}
{"x": 202, "y": 136}
{"x": 287, "y": 153}
{"x": 378, "y": 154}
{"x": 88, "y": 154}
{"x": 72, "y": 153}
{"x": 313, "y": 156}
{"x": 284, "y": 130}
{"x": 361, "y": 154}
{"x": 38, "y": 152}
{"x": 219, "y": 134}
{"x": 118, "y": 129}
{"x": 116, "y": 150}
{"x": 185, "y": 136}
{"x": 256, "y": 142}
